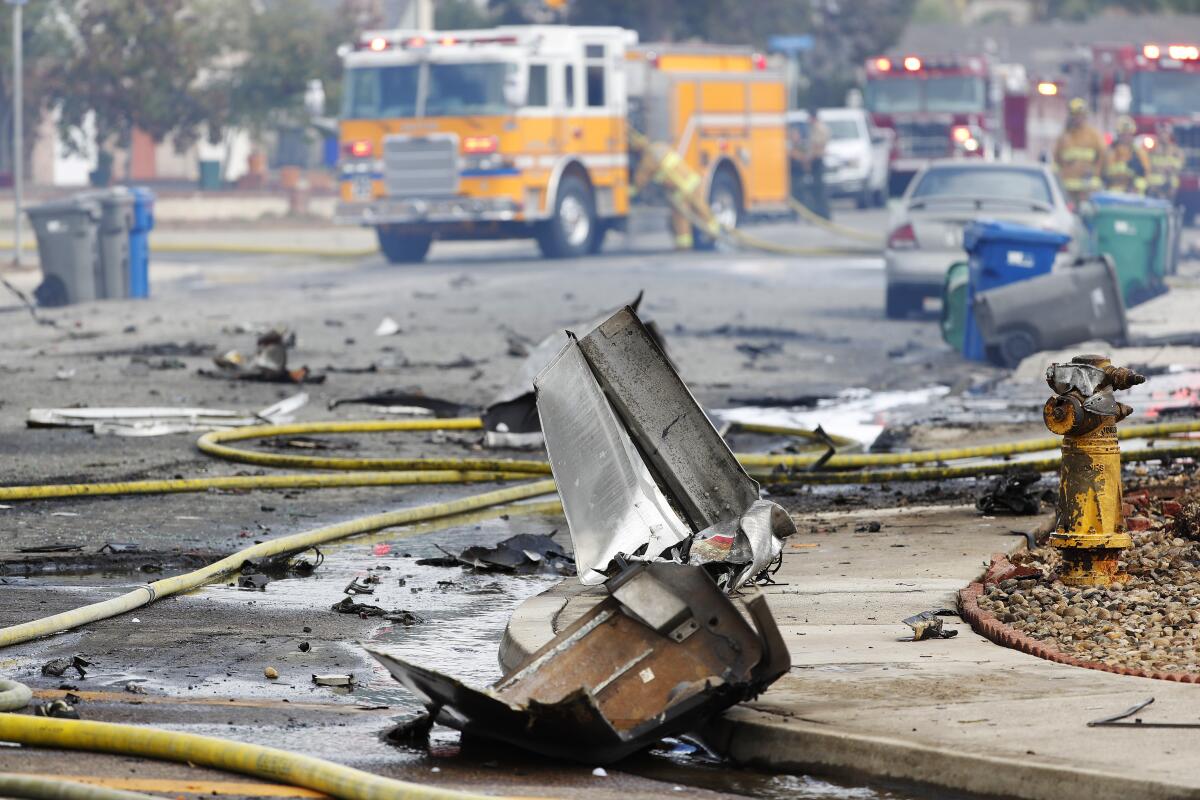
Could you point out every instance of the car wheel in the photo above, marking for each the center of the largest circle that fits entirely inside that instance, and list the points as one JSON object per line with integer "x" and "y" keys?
{"x": 570, "y": 232}
{"x": 725, "y": 203}
{"x": 403, "y": 248}
{"x": 901, "y": 301}
{"x": 864, "y": 199}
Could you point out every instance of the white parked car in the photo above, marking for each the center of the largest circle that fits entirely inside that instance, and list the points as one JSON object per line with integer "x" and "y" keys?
{"x": 926, "y": 228}
{"x": 856, "y": 156}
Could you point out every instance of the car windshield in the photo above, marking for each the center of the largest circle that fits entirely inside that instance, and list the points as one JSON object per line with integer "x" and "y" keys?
{"x": 1167, "y": 93}
{"x": 894, "y": 95}
{"x": 983, "y": 183}
{"x": 453, "y": 89}
{"x": 841, "y": 128}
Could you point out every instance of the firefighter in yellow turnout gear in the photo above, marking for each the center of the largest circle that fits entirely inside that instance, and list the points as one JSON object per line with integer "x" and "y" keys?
{"x": 660, "y": 164}
{"x": 1166, "y": 162}
{"x": 1079, "y": 154}
{"x": 1126, "y": 167}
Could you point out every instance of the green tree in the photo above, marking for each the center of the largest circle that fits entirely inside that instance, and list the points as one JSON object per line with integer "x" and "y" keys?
{"x": 286, "y": 44}
{"x": 43, "y": 44}
{"x": 152, "y": 66}
{"x": 459, "y": 15}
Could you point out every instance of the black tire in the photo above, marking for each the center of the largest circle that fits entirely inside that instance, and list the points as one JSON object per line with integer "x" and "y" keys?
{"x": 901, "y": 301}
{"x": 864, "y": 199}
{"x": 1015, "y": 345}
{"x": 404, "y": 248}
{"x": 880, "y": 198}
{"x": 725, "y": 198}
{"x": 572, "y": 230}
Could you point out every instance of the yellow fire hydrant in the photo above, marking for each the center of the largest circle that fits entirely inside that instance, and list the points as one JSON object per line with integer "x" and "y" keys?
{"x": 1090, "y": 533}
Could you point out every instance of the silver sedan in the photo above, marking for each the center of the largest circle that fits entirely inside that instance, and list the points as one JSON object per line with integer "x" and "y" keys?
{"x": 926, "y": 229}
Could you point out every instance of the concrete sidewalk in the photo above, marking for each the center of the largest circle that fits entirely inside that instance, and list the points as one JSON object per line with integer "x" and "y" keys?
{"x": 961, "y": 714}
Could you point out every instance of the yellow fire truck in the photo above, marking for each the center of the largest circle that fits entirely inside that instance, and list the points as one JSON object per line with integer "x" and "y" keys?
{"x": 521, "y": 131}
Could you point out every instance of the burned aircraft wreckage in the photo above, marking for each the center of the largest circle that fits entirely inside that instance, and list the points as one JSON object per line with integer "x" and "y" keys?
{"x": 663, "y": 516}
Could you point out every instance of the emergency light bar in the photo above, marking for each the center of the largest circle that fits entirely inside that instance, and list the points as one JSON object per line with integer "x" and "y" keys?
{"x": 1178, "y": 52}
{"x": 971, "y": 65}
{"x": 380, "y": 43}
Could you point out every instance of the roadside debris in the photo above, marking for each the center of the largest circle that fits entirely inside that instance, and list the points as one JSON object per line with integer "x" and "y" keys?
{"x": 396, "y": 401}
{"x": 412, "y": 732}
{"x": 271, "y": 673}
{"x": 523, "y": 554}
{"x": 269, "y": 363}
{"x": 161, "y": 421}
{"x": 929, "y": 625}
{"x": 347, "y": 605}
{"x": 1122, "y": 719}
{"x": 1014, "y": 493}
{"x": 60, "y": 709}
{"x": 668, "y": 647}
{"x": 387, "y": 327}
{"x": 58, "y": 666}
{"x": 334, "y": 680}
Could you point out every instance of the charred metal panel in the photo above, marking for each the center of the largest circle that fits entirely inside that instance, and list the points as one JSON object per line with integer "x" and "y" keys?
{"x": 683, "y": 448}
{"x": 612, "y": 503}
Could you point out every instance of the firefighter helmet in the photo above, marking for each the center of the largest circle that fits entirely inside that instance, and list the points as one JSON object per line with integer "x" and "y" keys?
{"x": 1077, "y": 106}
{"x": 1125, "y": 124}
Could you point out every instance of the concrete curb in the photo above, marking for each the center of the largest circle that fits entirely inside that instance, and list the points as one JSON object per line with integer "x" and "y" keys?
{"x": 753, "y": 738}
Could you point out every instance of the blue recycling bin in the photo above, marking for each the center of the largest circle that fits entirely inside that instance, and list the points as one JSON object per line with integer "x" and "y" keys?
{"x": 1002, "y": 253}
{"x": 139, "y": 241}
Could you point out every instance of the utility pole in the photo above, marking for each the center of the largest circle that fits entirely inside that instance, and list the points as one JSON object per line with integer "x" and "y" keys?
{"x": 18, "y": 158}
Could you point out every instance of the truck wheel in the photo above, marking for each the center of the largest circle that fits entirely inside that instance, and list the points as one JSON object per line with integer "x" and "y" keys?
{"x": 404, "y": 248}
{"x": 865, "y": 199}
{"x": 572, "y": 230}
{"x": 725, "y": 202}
{"x": 598, "y": 237}
{"x": 902, "y": 301}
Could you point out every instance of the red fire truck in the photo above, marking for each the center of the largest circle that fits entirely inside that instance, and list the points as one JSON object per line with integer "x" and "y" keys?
{"x": 1154, "y": 83}
{"x": 937, "y": 107}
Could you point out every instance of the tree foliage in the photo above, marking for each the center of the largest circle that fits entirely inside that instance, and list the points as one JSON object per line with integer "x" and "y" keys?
{"x": 152, "y": 66}
{"x": 42, "y": 46}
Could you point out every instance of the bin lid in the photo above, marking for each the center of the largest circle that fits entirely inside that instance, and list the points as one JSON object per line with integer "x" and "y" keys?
{"x": 985, "y": 230}
{"x": 80, "y": 204}
{"x": 1129, "y": 201}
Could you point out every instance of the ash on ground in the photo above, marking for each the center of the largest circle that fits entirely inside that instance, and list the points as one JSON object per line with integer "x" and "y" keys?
{"x": 1150, "y": 622}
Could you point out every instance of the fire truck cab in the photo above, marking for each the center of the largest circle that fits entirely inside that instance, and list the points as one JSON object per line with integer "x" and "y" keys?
{"x": 1154, "y": 83}
{"x": 938, "y": 107}
{"x": 521, "y": 131}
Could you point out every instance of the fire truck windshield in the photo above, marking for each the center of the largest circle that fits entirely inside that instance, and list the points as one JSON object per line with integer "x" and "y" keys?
{"x": 958, "y": 94}
{"x": 1165, "y": 93}
{"x": 450, "y": 89}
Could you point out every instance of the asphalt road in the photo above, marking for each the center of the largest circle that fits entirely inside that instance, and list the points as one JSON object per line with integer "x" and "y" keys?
{"x": 743, "y": 328}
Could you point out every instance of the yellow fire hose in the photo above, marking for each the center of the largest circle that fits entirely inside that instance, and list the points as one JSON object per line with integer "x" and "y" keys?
{"x": 267, "y": 763}
{"x": 144, "y": 595}
{"x": 14, "y": 784}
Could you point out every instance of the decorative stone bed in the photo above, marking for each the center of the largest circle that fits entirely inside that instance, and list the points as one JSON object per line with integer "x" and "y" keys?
{"x": 1147, "y": 626}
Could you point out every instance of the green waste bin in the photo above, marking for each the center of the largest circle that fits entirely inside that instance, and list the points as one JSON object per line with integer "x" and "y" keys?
{"x": 954, "y": 304}
{"x": 210, "y": 175}
{"x": 1136, "y": 232}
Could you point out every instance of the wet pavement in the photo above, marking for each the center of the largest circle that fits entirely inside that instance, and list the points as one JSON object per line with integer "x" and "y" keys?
{"x": 751, "y": 334}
